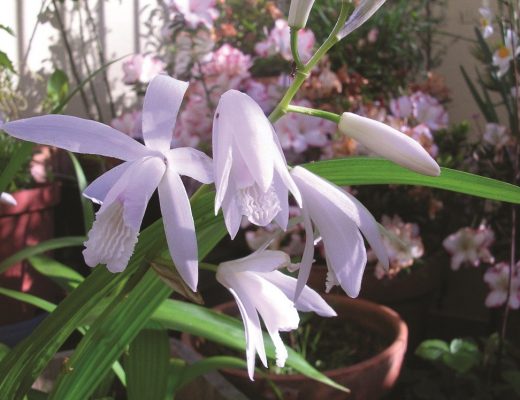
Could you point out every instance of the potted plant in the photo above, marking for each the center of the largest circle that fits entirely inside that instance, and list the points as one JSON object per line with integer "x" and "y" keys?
{"x": 363, "y": 349}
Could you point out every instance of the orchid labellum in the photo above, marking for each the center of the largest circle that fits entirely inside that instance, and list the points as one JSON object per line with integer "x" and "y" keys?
{"x": 124, "y": 191}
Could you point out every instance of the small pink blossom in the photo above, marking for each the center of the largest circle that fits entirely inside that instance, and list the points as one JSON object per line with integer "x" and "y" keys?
{"x": 194, "y": 123}
{"x": 298, "y": 132}
{"x": 497, "y": 278}
{"x": 279, "y": 42}
{"x": 427, "y": 110}
{"x": 373, "y": 35}
{"x": 422, "y": 134}
{"x": 129, "y": 123}
{"x": 227, "y": 68}
{"x": 401, "y": 107}
{"x": 403, "y": 244}
{"x": 496, "y": 135}
{"x": 142, "y": 69}
{"x": 469, "y": 245}
{"x": 265, "y": 94}
{"x": 196, "y": 12}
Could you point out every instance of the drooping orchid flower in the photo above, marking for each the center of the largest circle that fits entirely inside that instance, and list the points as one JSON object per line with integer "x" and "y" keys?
{"x": 339, "y": 217}
{"x": 124, "y": 191}
{"x": 259, "y": 288}
{"x": 251, "y": 175}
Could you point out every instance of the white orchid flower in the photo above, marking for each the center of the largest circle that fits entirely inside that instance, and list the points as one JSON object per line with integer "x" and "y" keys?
{"x": 251, "y": 175}
{"x": 299, "y": 13}
{"x": 389, "y": 143}
{"x": 486, "y": 22}
{"x": 339, "y": 217}
{"x": 7, "y": 199}
{"x": 259, "y": 288}
{"x": 504, "y": 54}
{"x": 125, "y": 190}
{"x": 363, "y": 12}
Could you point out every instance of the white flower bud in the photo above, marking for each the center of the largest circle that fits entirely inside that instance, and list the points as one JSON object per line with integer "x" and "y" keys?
{"x": 299, "y": 13}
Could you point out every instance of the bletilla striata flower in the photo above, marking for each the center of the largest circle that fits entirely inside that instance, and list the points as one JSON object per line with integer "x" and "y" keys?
{"x": 259, "y": 288}
{"x": 251, "y": 175}
{"x": 299, "y": 13}
{"x": 363, "y": 11}
{"x": 338, "y": 217}
{"x": 389, "y": 143}
{"x": 124, "y": 191}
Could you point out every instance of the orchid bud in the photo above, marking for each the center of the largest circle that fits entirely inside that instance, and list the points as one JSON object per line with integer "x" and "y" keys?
{"x": 299, "y": 13}
{"x": 389, "y": 143}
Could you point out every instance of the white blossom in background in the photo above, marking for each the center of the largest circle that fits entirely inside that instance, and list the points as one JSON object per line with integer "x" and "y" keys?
{"x": 298, "y": 132}
{"x": 497, "y": 278}
{"x": 261, "y": 290}
{"x": 125, "y": 190}
{"x": 486, "y": 21}
{"x": 471, "y": 246}
{"x": 226, "y": 69}
{"x": 196, "y": 12}
{"x": 496, "y": 135}
{"x": 279, "y": 42}
{"x": 142, "y": 69}
{"x": 129, "y": 123}
{"x": 504, "y": 54}
{"x": 401, "y": 107}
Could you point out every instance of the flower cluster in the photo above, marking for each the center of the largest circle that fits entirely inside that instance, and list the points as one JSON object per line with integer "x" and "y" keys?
{"x": 497, "y": 278}
{"x": 471, "y": 246}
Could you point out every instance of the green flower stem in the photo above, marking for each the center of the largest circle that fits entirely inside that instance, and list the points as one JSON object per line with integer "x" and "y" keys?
{"x": 303, "y": 73}
{"x": 314, "y": 113}
{"x": 294, "y": 49}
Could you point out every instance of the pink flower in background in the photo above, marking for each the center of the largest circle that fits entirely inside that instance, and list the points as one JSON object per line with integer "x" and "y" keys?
{"x": 129, "y": 123}
{"x": 142, "y": 69}
{"x": 428, "y": 110}
{"x": 197, "y": 12}
{"x": 422, "y": 134}
{"x": 279, "y": 42}
{"x": 298, "y": 132}
{"x": 469, "y": 245}
{"x": 373, "y": 35}
{"x": 265, "y": 94}
{"x": 403, "y": 245}
{"x": 194, "y": 125}
{"x": 496, "y": 135}
{"x": 226, "y": 69}
{"x": 401, "y": 107}
{"x": 497, "y": 278}
{"x": 190, "y": 49}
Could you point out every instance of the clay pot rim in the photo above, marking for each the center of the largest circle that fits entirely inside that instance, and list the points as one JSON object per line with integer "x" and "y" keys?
{"x": 391, "y": 318}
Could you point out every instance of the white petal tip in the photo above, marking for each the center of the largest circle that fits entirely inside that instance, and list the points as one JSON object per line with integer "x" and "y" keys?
{"x": 7, "y": 199}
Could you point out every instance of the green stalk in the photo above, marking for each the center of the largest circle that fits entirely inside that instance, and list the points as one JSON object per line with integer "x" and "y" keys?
{"x": 314, "y": 113}
{"x": 303, "y": 73}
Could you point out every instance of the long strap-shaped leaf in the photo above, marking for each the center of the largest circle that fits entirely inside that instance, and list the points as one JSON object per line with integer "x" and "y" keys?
{"x": 375, "y": 171}
{"x": 123, "y": 320}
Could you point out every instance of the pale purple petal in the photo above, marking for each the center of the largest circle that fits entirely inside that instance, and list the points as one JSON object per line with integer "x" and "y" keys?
{"x": 308, "y": 301}
{"x": 262, "y": 261}
{"x": 222, "y": 160}
{"x": 361, "y": 14}
{"x": 77, "y": 135}
{"x": 179, "y": 227}
{"x": 113, "y": 236}
{"x": 308, "y": 255}
{"x": 161, "y": 105}
{"x": 280, "y": 189}
{"x": 193, "y": 163}
{"x": 7, "y": 199}
{"x": 100, "y": 187}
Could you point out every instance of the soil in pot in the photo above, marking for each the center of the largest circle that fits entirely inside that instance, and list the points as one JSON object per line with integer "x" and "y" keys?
{"x": 362, "y": 349}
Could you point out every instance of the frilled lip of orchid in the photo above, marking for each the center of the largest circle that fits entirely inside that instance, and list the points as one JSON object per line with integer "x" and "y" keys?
{"x": 340, "y": 218}
{"x": 261, "y": 290}
{"x": 124, "y": 191}
{"x": 251, "y": 175}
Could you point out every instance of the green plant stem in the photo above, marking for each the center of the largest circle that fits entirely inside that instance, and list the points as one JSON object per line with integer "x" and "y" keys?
{"x": 294, "y": 49}
{"x": 302, "y": 74}
{"x": 314, "y": 113}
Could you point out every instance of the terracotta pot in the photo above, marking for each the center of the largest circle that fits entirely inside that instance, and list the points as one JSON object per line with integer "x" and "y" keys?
{"x": 411, "y": 295}
{"x": 369, "y": 379}
{"x": 24, "y": 225}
